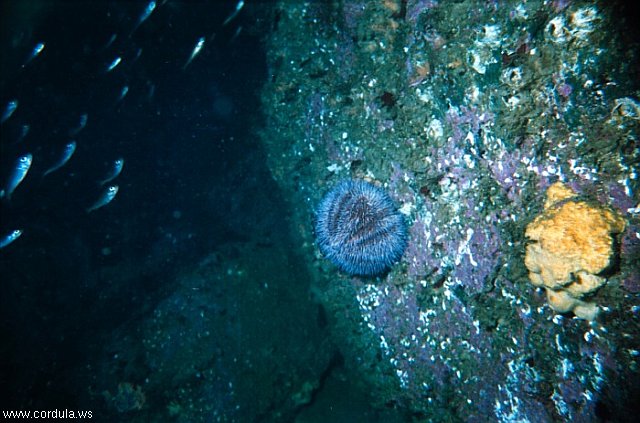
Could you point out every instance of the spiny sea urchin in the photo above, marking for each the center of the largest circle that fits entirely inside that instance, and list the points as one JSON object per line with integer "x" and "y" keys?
{"x": 359, "y": 229}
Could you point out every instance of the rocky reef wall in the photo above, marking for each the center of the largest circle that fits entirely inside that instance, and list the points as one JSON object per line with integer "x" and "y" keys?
{"x": 465, "y": 113}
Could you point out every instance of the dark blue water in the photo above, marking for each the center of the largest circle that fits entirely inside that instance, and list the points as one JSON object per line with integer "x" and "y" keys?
{"x": 194, "y": 176}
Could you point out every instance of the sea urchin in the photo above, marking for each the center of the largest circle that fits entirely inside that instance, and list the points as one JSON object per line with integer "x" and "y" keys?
{"x": 359, "y": 229}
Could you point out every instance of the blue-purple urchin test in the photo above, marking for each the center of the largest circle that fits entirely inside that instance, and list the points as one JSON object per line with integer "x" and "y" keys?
{"x": 359, "y": 229}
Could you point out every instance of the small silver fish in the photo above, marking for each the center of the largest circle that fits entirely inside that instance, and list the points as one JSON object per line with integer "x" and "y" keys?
{"x": 235, "y": 13}
{"x": 152, "y": 90}
{"x": 68, "y": 151}
{"x": 147, "y": 11}
{"x": 113, "y": 64}
{"x": 18, "y": 174}
{"x": 115, "y": 171}
{"x": 195, "y": 52}
{"x": 10, "y": 237}
{"x": 144, "y": 16}
{"x": 123, "y": 93}
{"x": 107, "y": 196}
{"x": 23, "y": 132}
{"x": 138, "y": 54}
{"x": 236, "y": 34}
{"x": 84, "y": 118}
{"x": 8, "y": 111}
{"x": 34, "y": 53}
{"x": 111, "y": 40}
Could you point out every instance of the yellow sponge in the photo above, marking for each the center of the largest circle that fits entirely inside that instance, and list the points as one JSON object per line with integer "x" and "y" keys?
{"x": 572, "y": 244}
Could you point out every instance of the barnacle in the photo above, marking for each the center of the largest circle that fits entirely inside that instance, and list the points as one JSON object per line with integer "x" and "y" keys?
{"x": 625, "y": 108}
